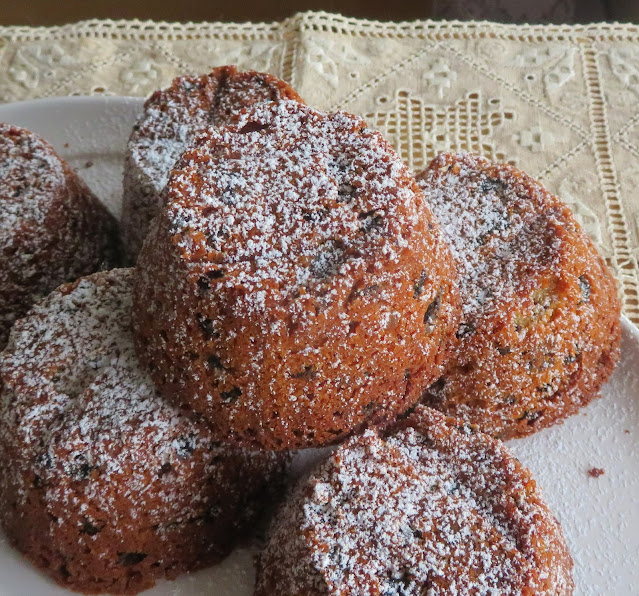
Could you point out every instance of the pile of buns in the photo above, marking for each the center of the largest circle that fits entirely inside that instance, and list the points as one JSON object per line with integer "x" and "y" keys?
{"x": 292, "y": 285}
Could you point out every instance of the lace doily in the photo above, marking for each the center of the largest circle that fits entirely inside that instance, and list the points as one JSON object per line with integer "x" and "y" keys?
{"x": 559, "y": 101}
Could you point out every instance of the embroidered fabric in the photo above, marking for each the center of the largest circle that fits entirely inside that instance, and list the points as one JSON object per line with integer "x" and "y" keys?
{"x": 559, "y": 101}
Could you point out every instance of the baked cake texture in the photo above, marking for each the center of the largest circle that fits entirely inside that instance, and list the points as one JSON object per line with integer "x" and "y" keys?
{"x": 295, "y": 287}
{"x": 431, "y": 506}
{"x": 104, "y": 486}
{"x": 170, "y": 121}
{"x": 52, "y": 228}
{"x": 540, "y": 329}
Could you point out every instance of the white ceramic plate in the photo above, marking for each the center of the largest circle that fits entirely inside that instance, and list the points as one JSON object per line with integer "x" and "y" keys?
{"x": 600, "y": 516}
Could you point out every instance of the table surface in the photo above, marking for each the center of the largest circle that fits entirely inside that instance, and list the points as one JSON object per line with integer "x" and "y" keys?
{"x": 560, "y": 102}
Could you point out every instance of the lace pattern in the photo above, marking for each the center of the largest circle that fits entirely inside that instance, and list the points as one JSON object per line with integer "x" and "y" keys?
{"x": 559, "y": 101}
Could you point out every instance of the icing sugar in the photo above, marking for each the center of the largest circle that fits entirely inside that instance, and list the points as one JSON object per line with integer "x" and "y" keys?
{"x": 300, "y": 195}
{"x": 76, "y": 406}
{"x": 31, "y": 177}
{"x": 434, "y": 510}
{"x": 498, "y": 239}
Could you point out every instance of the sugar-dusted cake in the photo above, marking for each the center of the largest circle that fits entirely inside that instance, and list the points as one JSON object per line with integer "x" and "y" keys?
{"x": 295, "y": 287}
{"x": 540, "y": 328}
{"x": 431, "y": 506}
{"x": 52, "y": 228}
{"x": 166, "y": 128}
{"x": 103, "y": 485}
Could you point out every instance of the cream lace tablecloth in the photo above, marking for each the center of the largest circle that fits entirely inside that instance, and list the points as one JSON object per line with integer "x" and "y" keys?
{"x": 560, "y": 102}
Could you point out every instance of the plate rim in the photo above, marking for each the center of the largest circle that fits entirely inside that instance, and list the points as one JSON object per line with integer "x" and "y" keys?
{"x": 70, "y": 99}
{"x": 110, "y": 101}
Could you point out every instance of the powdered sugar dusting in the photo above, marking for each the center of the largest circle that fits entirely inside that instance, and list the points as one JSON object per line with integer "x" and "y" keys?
{"x": 52, "y": 229}
{"x": 437, "y": 511}
{"x": 298, "y": 194}
{"x": 157, "y": 155}
{"x": 73, "y": 384}
{"x": 604, "y": 547}
{"x": 297, "y": 250}
{"x": 31, "y": 175}
{"x": 171, "y": 119}
{"x": 81, "y": 416}
{"x": 540, "y": 328}
{"x": 497, "y": 239}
